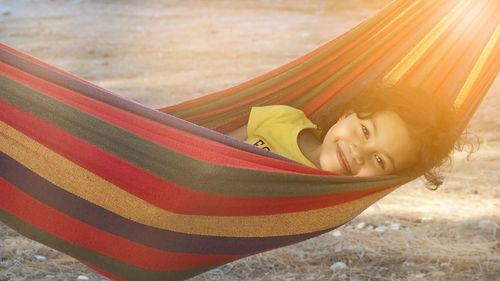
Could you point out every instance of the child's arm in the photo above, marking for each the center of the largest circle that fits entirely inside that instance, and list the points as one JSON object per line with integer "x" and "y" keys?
{"x": 240, "y": 133}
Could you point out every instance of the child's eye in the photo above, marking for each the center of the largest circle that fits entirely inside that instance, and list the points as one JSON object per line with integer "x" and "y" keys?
{"x": 380, "y": 161}
{"x": 365, "y": 131}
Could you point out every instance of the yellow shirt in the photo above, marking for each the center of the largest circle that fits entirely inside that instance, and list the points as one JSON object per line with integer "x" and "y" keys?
{"x": 276, "y": 128}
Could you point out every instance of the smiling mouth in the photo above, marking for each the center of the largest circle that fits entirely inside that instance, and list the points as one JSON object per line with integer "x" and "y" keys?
{"x": 342, "y": 160}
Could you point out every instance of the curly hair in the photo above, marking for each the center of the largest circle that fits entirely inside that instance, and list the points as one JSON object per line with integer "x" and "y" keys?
{"x": 430, "y": 122}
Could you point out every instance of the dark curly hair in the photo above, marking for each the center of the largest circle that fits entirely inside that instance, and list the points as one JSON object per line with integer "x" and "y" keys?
{"x": 429, "y": 120}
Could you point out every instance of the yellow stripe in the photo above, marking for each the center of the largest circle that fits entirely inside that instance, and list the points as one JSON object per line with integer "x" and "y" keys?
{"x": 71, "y": 177}
{"x": 476, "y": 70}
{"x": 389, "y": 25}
{"x": 416, "y": 53}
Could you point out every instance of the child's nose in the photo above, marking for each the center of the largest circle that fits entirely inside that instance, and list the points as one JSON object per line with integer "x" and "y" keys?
{"x": 357, "y": 153}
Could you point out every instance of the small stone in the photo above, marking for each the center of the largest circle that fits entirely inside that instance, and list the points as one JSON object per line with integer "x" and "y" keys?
{"x": 488, "y": 226}
{"x": 217, "y": 271}
{"x": 438, "y": 274}
{"x": 445, "y": 264}
{"x": 419, "y": 276}
{"x": 395, "y": 226}
{"x": 427, "y": 219}
{"x": 336, "y": 233}
{"x": 338, "y": 266}
{"x": 82, "y": 278}
{"x": 50, "y": 276}
{"x": 408, "y": 264}
{"x": 381, "y": 228}
{"x": 40, "y": 258}
{"x": 375, "y": 207}
{"x": 306, "y": 34}
{"x": 466, "y": 225}
{"x": 360, "y": 225}
{"x": 6, "y": 12}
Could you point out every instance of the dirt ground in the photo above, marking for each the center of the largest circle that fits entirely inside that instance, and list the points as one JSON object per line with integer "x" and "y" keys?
{"x": 164, "y": 52}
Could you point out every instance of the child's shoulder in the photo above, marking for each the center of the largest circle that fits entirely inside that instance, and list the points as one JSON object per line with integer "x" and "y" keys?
{"x": 278, "y": 110}
{"x": 277, "y": 114}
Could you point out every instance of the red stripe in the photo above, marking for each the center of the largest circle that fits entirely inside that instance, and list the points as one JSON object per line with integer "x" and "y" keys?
{"x": 454, "y": 67}
{"x": 220, "y": 94}
{"x": 74, "y": 231}
{"x": 343, "y": 55}
{"x": 207, "y": 98}
{"x": 153, "y": 189}
{"x": 177, "y": 140}
{"x": 44, "y": 64}
{"x": 188, "y": 202}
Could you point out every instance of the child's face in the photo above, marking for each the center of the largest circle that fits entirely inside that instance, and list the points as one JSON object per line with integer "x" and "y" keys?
{"x": 377, "y": 145}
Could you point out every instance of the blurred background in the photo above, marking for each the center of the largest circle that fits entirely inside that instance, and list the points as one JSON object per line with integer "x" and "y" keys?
{"x": 160, "y": 53}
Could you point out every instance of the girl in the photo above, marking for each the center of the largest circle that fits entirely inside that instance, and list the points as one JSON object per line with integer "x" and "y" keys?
{"x": 397, "y": 130}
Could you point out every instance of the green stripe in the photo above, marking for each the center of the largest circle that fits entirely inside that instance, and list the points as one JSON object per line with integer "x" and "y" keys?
{"x": 374, "y": 45}
{"x": 113, "y": 266}
{"x": 173, "y": 166}
{"x": 252, "y": 90}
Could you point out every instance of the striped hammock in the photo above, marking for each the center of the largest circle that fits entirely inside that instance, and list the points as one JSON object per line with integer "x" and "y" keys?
{"x": 138, "y": 194}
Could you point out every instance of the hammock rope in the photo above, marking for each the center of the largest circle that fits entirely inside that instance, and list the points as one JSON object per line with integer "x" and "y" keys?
{"x": 137, "y": 194}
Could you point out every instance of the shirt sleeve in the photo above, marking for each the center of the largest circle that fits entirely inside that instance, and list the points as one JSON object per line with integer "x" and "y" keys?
{"x": 267, "y": 116}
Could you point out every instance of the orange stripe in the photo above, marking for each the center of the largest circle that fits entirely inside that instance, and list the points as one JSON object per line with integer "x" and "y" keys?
{"x": 447, "y": 63}
{"x": 55, "y": 169}
{"x": 416, "y": 53}
{"x": 354, "y": 37}
{"x": 70, "y": 229}
{"x": 361, "y": 60}
{"x": 478, "y": 67}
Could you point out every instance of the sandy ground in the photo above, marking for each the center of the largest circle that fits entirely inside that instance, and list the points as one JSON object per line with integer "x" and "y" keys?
{"x": 164, "y": 52}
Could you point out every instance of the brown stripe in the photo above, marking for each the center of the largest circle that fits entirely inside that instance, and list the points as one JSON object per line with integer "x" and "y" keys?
{"x": 171, "y": 165}
{"x": 55, "y": 169}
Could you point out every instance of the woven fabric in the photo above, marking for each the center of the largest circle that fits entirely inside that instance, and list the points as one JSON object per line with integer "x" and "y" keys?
{"x": 138, "y": 194}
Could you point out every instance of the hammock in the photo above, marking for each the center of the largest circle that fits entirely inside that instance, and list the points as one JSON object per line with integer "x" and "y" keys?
{"x": 138, "y": 194}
